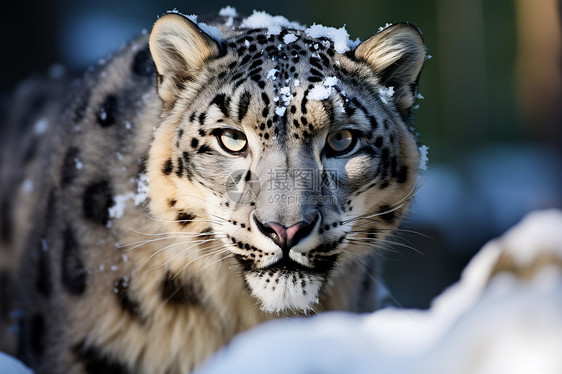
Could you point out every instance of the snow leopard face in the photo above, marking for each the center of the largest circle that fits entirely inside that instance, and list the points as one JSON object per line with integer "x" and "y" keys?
{"x": 288, "y": 152}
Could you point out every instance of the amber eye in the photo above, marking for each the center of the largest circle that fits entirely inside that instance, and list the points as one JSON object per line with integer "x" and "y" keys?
{"x": 340, "y": 142}
{"x": 232, "y": 141}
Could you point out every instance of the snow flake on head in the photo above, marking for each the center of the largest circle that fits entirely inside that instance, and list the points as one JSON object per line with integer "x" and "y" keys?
{"x": 41, "y": 126}
{"x": 262, "y": 20}
{"x": 424, "y": 159}
{"x": 339, "y": 37}
{"x": 212, "y": 31}
{"x": 289, "y": 38}
{"x": 228, "y": 11}
{"x": 280, "y": 111}
{"x": 322, "y": 91}
{"x": 386, "y": 26}
{"x": 271, "y": 74}
{"x": 385, "y": 94}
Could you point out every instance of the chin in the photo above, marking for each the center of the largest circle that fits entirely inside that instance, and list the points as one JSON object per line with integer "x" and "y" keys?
{"x": 285, "y": 292}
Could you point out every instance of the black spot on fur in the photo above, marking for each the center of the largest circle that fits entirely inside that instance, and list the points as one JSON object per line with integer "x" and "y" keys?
{"x": 107, "y": 113}
{"x": 142, "y": 64}
{"x": 194, "y": 143}
{"x": 73, "y": 274}
{"x": 202, "y": 118}
{"x": 186, "y": 166}
{"x": 69, "y": 170}
{"x": 387, "y": 214}
{"x": 96, "y": 201}
{"x": 95, "y": 361}
{"x": 43, "y": 283}
{"x": 180, "y": 292}
{"x": 168, "y": 167}
{"x": 222, "y": 102}
{"x": 131, "y": 306}
{"x": 185, "y": 218}
{"x": 402, "y": 174}
{"x": 37, "y": 334}
{"x": 172, "y": 202}
{"x": 6, "y": 295}
{"x": 204, "y": 149}
{"x": 6, "y": 218}
{"x": 244, "y": 105}
{"x": 179, "y": 170}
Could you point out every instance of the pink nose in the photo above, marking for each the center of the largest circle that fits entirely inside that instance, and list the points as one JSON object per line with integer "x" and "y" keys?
{"x": 286, "y": 237}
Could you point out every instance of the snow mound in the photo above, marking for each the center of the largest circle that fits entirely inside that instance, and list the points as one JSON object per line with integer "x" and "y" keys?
{"x": 10, "y": 365}
{"x": 263, "y": 20}
{"x": 501, "y": 317}
{"x": 274, "y": 24}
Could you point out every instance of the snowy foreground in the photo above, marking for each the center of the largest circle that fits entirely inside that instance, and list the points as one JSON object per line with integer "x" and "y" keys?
{"x": 503, "y": 316}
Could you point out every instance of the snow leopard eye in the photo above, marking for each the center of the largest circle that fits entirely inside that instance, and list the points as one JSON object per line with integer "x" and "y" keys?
{"x": 232, "y": 141}
{"x": 340, "y": 142}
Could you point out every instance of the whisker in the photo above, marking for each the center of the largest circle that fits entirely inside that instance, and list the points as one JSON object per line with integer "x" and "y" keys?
{"x": 219, "y": 260}
{"x": 192, "y": 261}
{"x": 170, "y": 232}
{"x": 391, "y": 209}
{"x": 369, "y": 241}
{"x": 181, "y": 253}
{"x": 182, "y": 220}
{"x": 195, "y": 243}
{"x": 144, "y": 242}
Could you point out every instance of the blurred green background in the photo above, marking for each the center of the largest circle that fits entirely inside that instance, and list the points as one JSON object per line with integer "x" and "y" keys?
{"x": 491, "y": 114}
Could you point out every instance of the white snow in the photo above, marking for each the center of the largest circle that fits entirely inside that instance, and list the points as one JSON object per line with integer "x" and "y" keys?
{"x": 286, "y": 95}
{"x": 12, "y": 366}
{"x": 386, "y": 26}
{"x": 41, "y": 126}
{"x": 273, "y": 30}
{"x": 386, "y": 94}
{"x": 486, "y": 323}
{"x": 28, "y": 186}
{"x": 339, "y": 37}
{"x": 322, "y": 91}
{"x": 212, "y": 31}
{"x": 228, "y": 11}
{"x": 271, "y": 74}
{"x": 280, "y": 111}
{"x": 319, "y": 93}
{"x": 289, "y": 38}
{"x": 262, "y": 20}
{"x": 424, "y": 159}
{"x": 78, "y": 163}
{"x": 120, "y": 201}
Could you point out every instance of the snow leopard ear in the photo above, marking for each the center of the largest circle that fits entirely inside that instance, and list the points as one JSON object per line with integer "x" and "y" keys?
{"x": 179, "y": 49}
{"x": 396, "y": 54}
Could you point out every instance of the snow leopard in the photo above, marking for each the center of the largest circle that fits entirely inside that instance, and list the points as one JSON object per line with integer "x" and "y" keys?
{"x": 211, "y": 175}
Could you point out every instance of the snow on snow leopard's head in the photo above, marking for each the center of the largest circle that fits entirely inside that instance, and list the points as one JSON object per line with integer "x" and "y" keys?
{"x": 290, "y": 145}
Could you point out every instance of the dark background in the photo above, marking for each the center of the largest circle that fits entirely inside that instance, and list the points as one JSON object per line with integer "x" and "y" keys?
{"x": 491, "y": 114}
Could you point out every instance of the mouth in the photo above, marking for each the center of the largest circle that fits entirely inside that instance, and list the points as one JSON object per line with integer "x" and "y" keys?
{"x": 287, "y": 287}
{"x": 286, "y": 265}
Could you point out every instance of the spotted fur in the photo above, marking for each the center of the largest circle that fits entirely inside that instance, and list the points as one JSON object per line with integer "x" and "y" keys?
{"x": 143, "y": 245}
